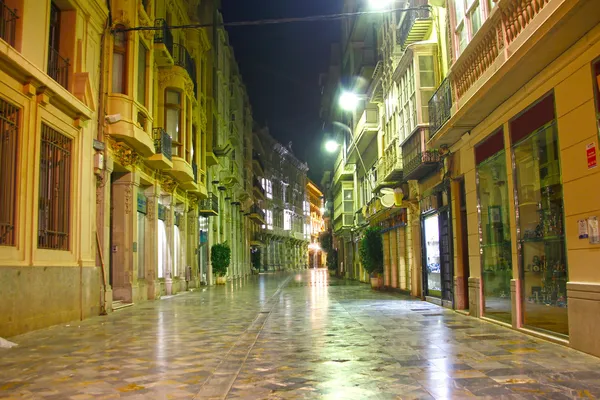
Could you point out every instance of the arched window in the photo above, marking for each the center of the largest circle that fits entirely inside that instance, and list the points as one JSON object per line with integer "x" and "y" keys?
{"x": 119, "y": 64}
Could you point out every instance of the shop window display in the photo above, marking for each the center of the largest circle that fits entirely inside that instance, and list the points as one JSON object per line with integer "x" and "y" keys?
{"x": 541, "y": 221}
{"x": 432, "y": 251}
{"x": 495, "y": 241}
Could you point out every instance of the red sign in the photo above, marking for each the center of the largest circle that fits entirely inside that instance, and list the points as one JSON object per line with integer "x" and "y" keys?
{"x": 592, "y": 159}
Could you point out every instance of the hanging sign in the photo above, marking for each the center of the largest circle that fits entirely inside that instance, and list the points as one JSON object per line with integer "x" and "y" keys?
{"x": 162, "y": 212}
{"x": 142, "y": 203}
{"x": 592, "y": 159}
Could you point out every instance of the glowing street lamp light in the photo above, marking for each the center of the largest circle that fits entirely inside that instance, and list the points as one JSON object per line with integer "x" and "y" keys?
{"x": 380, "y": 4}
{"x": 331, "y": 146}
{"x": 349, "y": 101}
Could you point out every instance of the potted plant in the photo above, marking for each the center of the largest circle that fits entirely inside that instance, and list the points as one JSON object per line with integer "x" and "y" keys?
{"x": 371, "y": 255}
{"x": 220, "y": 257}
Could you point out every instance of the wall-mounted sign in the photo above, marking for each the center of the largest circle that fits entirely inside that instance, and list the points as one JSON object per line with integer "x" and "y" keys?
{"x": 162, "y": 212}
{"x": 594, "y": 231}
{"x": 583, "y": 229}
{"x": 592, "y": 160}
{"x": 203, "y": 236}
{"x": 142, "y": 203}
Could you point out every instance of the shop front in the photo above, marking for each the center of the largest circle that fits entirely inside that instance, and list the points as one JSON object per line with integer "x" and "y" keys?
{"x": 540, "y": 218}
{"x": 436, "y": 228}
{"x": 397, "y": 272}
{"x": 494, "y": 234}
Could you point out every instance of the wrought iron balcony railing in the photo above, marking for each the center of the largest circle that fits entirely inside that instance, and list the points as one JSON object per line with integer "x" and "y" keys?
{"x": 163, "y": 143}
{"x": 259, "y": 187}
{"x": 164, "y": 34}
{"x": 209, "y": 206}
{"x": 58, "y": 68}
{"x": 406, "y": 34}
{"x": 182, "y": 58}
{"x": 8, "y": 23}
{"x": 440, "y": 107}
{"x": 257, "y": 213}
{"x": 195, "y": 171}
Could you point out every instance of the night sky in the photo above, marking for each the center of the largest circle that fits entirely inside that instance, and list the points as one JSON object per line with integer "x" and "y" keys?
{"x": 280, "y": 65}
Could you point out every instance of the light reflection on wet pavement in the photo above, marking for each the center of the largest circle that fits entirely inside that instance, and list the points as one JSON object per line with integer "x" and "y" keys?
{"x": 291, "y": 336}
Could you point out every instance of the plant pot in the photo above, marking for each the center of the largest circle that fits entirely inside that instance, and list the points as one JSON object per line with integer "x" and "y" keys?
{"x": 221, "y": 280}
{"x": 376, "y": 282}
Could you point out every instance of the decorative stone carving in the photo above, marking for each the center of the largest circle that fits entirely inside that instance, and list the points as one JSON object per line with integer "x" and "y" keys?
{"x": 151, "y": 209}
{"x": 128, "y": 200}
{"x": 168, "y": 184}
{"x": 121, "y": 17}
{"x": 123, "y": 154}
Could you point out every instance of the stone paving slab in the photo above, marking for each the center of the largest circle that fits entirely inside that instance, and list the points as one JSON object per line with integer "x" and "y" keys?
{"x": 291, "y": 336}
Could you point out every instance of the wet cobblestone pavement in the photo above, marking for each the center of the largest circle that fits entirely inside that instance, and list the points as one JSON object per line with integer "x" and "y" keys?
{"x": 291, "y": 336}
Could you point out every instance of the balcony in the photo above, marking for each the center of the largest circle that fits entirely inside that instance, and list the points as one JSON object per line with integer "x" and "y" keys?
{"x": 58, "y": 68}
{"x": 163, "y": 44}
{"x": 182, "y": 171}
{"x": 365, "y": 131}
{"x": 415, "y": 26}
{"x": 440, "y": 107}
{"x": 163, "y": 147}
{"x": 344, "y": 171}
{"x": 8, "y": 22}
{"x": 257, "y": 215}
{"x": 209, "y": 206}
{"x": 389, "y": 168}
{"x": 518, "y": 40}
{"x": 258, "y": 189}
{"x": 418, "y": 161}
{"x": 257, "y": 164}
{"x": 230, "y": 176}
{"x": 183, "y": 59}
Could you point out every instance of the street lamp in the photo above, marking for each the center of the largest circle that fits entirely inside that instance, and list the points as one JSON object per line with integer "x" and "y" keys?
{"x": 380, "y": 4}
{"x": 349, "y": 101}
{"x": 331, "y": 146}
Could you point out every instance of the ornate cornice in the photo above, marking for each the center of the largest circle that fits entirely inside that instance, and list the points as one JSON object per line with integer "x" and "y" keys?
{"x": 123, "y": 154}
{"x": 167, "y": 183}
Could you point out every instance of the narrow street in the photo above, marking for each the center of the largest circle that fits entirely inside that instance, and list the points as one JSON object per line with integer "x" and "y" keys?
{"x": 296, "y": 335}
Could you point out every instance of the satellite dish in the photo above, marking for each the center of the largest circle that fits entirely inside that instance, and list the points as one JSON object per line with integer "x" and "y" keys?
{"x": 387, "y": 200}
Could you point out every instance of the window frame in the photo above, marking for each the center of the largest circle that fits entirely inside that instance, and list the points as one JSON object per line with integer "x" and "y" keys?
{"x": 10, "y": 196}
{"x": 176, "y": 146}
{"x": 121, "y": 50}
{"x": 64, "y": 209}
{"x": 466, "y": 22}
{"x": 142, "y": 49}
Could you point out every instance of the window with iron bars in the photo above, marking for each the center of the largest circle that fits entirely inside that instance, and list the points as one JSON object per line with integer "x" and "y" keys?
{"x": 54, "y": 190}
{"x": 9, "y": 131}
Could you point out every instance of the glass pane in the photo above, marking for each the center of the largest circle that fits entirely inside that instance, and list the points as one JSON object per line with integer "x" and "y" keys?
{"x": 432, "y": 252}
{"x": 462, "y": 38}
{"x": 348, "y": 195}
{"x": 173, "y": 97}
{"x": 141, "y": 248}
{"x": 496, "y": 259}
{"x": 141, "y": 78}
{"x": 173, "y": 123}
{"x": 476, "y": 19}
{"x": 118, "y": 86}
{"x": 426, "y": 71}
{"x": 541, "y": 219}
{"x": 459, "y": 8}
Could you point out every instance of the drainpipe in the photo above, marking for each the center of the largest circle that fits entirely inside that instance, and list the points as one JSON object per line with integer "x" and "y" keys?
{"x": 102, "y": 98}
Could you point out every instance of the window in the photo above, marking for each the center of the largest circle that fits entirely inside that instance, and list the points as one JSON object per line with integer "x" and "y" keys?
{"x": 348, "y": 200}
{"x": 9, "y": 131}
{"x": 287, "y": 220}
{"x": 119, "y": 64}
{"x": 268, "y": 186}
{"x": 58, "y": 67}
{"x": 54, "y": 190}
{"x": 469, "y": 16}
{"x": 142, "y": 75}
{"x": 428, "y": 86}
{"x": 269, "y": 218}
{"x": 173, "y": 119}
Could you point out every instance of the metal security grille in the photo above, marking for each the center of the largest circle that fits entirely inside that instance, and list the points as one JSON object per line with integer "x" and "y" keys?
{"x": 9, "y": 130}
{"x": 55, "y": 190}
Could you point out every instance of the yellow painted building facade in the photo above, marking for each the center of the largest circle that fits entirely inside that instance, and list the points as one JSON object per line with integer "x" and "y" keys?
{"x": 519, "y": 126}
{"x": 128, "y": 159}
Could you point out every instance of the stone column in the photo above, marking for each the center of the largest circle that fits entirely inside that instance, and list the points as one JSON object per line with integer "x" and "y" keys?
{"x": 124, "y": 233}
{"x": 151, "y": 256}
{"x": 168, "y": 201}
{"x": 104, "y": 204}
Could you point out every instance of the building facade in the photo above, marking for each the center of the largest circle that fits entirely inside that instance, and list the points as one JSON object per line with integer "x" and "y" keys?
{"x": 486, "y": 138}
{"x": 153, "y": 123}
{"x": 316, "y": 257}
{"x": 285, "y": 234}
